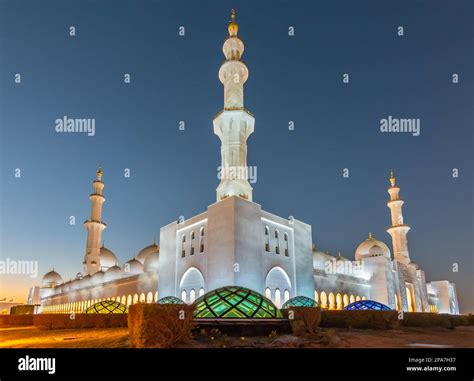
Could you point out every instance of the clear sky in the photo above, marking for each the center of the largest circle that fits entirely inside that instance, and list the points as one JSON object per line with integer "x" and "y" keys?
{"x": 292, "y": 78}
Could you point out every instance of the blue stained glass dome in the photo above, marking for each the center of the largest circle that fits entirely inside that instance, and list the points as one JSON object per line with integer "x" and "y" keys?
{"x": 300, "y": 301}
{"x": 367, "y": 305}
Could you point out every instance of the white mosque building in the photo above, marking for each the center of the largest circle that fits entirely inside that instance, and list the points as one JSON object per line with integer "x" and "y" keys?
{"x": 236, "y": 242}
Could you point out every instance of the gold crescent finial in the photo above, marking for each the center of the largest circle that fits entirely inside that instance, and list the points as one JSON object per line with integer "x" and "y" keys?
{"x": 233, "y": 27}
{"x": 392, "y": 178}
{"x": 370, "y": 235}
{"x": 99, "y": 173}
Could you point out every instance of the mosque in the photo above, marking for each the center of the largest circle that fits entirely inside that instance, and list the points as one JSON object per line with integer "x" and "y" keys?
{"x": 237, "y": 243}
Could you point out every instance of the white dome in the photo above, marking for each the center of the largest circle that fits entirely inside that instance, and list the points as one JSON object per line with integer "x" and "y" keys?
{"x": 152, "y": 249}
{"x": 51, "y": 279}
{"x": 113, "y": 273}
{"x": 371, "y": 247}
{"x": 107, "y": 259}
{"x": 132, "y": 267}
{"x": 151, "y": 262}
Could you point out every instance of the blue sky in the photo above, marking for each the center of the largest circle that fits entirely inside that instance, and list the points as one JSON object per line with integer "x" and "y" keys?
{"x": 297, "y": 78}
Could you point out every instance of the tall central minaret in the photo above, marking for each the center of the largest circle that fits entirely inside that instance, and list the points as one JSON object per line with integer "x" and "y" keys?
{"x": 94, "y": 227}
{"x": 398, "y": 230}
{"x": 234, "y": 123}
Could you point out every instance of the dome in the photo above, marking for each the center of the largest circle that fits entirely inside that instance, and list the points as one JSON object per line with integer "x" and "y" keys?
{"x": 170, "y": 300}
{"x": 235, "y": 302}
{"x": 151, "y": 262}
{"x": 367, "y": 305}
{"x": 320, "y": 259}
{"x": 152, "y": 249}
{"x": 113, "y": 273}
{"x": 107, "y": 259}
{"x": 132, "y": 267}
{"x": 51, "y": 279}
{"x": 300, "y": 301}
{"x": 233, "y": 28}
{"x": 107, "y": 307}
{"x": 371, "y": 247}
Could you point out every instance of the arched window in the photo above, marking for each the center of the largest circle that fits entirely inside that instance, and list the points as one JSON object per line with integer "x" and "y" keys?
{"x": 287, "y": 252}
{"x": 268, "y": 293}
{"x": 324, "y": 300}
{"x": 124, "y": 300}
{"x": 364, "y": 298}
{"x": 135, "y": 299}
{"x": 339, "y": 301}
{"x": 332, "y": 301}
{"x": 409, "y": 300}
{"x": 142, "y": 298}
{"x": 156, "y": 296}
{"x": 267, "y": 239}
{"x": 286, "y": 296}
{"x": 278, "y": 298}
{"x": 397, "y": 307}
{"x": 129, "y": 300}
{"x": 201, "y": 291}
{"x": 184, "y": 296}
{"x": 183, "y": 247}
{"x": 277, "y": 245}
{"x": 352, "y": 299}
{"x": 345, "y": 300}
{"x": 192, "y": 243}
{"x": 192, "y": 296}
{"x": 316, "y": 296}
{"x": 201, "y": 240}
{"x": 357, "y": 298}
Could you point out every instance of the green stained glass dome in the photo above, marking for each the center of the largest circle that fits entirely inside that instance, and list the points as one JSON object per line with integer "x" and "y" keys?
{"x": 107, "y": 307}
{"x": 300, "y": 301}
{"x": 235, "y": 302}
{"x": 170, "y": 300}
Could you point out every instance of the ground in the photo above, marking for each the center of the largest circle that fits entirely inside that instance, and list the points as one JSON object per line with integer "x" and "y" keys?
{"x": 32, "y": 337}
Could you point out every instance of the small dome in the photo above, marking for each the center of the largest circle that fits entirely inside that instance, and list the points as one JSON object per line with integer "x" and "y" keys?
{"x": 107, "y": 259}
{"x": 151, "y": 262}
{"x": 300, "y": 301}
{"x": 235, "y": 302}
{"x": 152, "y": 249}
{"x": 113, "y": 273}
{"x": 51, "y": 279}
{"x": 170, "y": 300}
{"x": 371, "y": 247}
{"x": 367, "y": 305}
{"x": 132, "y": 267}
{"x": 107, "y": 307}
{"x": 321, "y": 259}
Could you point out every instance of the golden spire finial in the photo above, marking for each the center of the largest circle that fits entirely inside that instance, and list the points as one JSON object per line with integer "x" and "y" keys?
{"x": 392, "y": 178}
{"x": 99, "y": 173}
{"x": 154, "y": 240}
{"x": 233, "y": 27}
{"x": 370, "y": 235}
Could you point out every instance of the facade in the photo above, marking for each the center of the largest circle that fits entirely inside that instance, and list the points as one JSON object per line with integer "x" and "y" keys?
{"x": 235, "y": 243}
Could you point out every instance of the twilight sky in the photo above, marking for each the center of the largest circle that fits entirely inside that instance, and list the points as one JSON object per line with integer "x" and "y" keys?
{"x": 297, "y": 78}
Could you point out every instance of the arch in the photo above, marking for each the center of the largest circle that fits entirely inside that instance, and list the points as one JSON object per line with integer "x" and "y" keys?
{"x": 192, "y": 243}
{"x": 287, "y": 252}
{"x": 357, "y": 298}
{"x": 149, "y": 297}
{"x": 339, "y": 301}
{"x": 192, "y": 295}
{"x": 286, "y": 296}
{"x": 409, "y": 300}
{"x": 192, "y": 279}
{"x": 184, "y": 297}
{"x": 324, "y": 300}
{"x": 352, "y": 299}
{"x": 135, "y": 299}
{"x": 142, "y": 298}
{"x": 129, "y": 300}
{"x": 155, "y": 298}
{"x": 316, "y": 296}
{"x": 278, "y": 278}
{"x": 332, "y": 301}
{"x": 277, "y": 298}
{"x": 201, "y": 291}
{"x": 124, "y": 300}
{"x": 345, "y": 300}
{"x": 268, "y": 293}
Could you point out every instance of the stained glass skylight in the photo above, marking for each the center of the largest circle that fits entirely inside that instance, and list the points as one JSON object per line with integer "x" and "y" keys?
{"x": 367, "y": 305}
{"x": 107, "y": 307}
{"x": 300, "y": 301}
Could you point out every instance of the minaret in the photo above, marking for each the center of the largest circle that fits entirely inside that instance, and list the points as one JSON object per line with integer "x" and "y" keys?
{"x": 94, "y": 227}
{"x": 398, "y": 230}
{"x": 234, "y": 123}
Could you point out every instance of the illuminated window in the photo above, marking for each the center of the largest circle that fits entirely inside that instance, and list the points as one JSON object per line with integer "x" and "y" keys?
{"x": 124, "y": 300}
{"x": 339, "y": 301}
{"x": 156, "y": 296}
{"x": 142, "y": 298}
{"x": 316, "y": 296}
{"x": 184, "y": 296}
{"x": 192, "y": 296}
{"x": 268, "y": 293}
{"x": 352, "y": 299}
{"x": 357, "y": 298}
{"x": 286, "y": 296}
{"x": 278, "y": 298}
{"x": 149, "y": 297}
{"x": 201, "y": 292}
{"x": 135, "y": 299}
{"x": 324, "y": 300}
{"x": 332, "y": 301}
{"x": 364, "y": 298}
{"x": 129, "y": 300}
{"x": 345, "y": 300}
